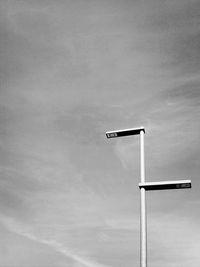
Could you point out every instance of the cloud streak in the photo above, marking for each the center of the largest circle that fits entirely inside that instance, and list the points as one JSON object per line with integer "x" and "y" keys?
{"x": 21, "y": 230}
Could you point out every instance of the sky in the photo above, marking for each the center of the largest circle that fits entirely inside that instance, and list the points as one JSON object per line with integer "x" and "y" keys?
{"x": 69, "y": 72}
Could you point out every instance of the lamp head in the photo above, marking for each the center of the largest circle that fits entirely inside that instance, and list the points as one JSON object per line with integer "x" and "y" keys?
{"x": 124, "y": 132}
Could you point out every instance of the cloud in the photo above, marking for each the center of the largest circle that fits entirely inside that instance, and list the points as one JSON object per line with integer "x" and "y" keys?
{"x": 22, "y": 230}
{"x": 127, "y": 152}
{"x": 123, "y": 223}
{"x": 171, "y": 235}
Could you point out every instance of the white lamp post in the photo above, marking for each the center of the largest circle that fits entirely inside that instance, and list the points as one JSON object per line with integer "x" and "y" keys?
{"x": 181, "y": 184}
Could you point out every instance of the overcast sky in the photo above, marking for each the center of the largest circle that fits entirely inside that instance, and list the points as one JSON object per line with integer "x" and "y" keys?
{"x": 69, "y": 71}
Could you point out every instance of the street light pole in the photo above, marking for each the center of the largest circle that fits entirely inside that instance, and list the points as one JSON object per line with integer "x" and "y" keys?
{"x": 146, "y": 186}
{"x": 143, "y": 222}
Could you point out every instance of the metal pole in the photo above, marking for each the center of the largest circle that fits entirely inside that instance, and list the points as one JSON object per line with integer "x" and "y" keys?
{"x": 143, "y": 224}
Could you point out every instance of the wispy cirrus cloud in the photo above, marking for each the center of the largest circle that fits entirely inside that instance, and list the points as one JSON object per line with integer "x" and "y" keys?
{"x": 12, "y": 225}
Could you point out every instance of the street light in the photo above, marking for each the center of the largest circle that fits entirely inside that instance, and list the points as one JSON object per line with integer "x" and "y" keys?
{"x": 125, "y": 132}
{"x": 166, "y": 185}
{"x": 163, "y": 185}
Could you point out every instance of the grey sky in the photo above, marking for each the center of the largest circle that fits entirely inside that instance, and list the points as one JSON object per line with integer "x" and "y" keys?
{"x": 70, "y": 71}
